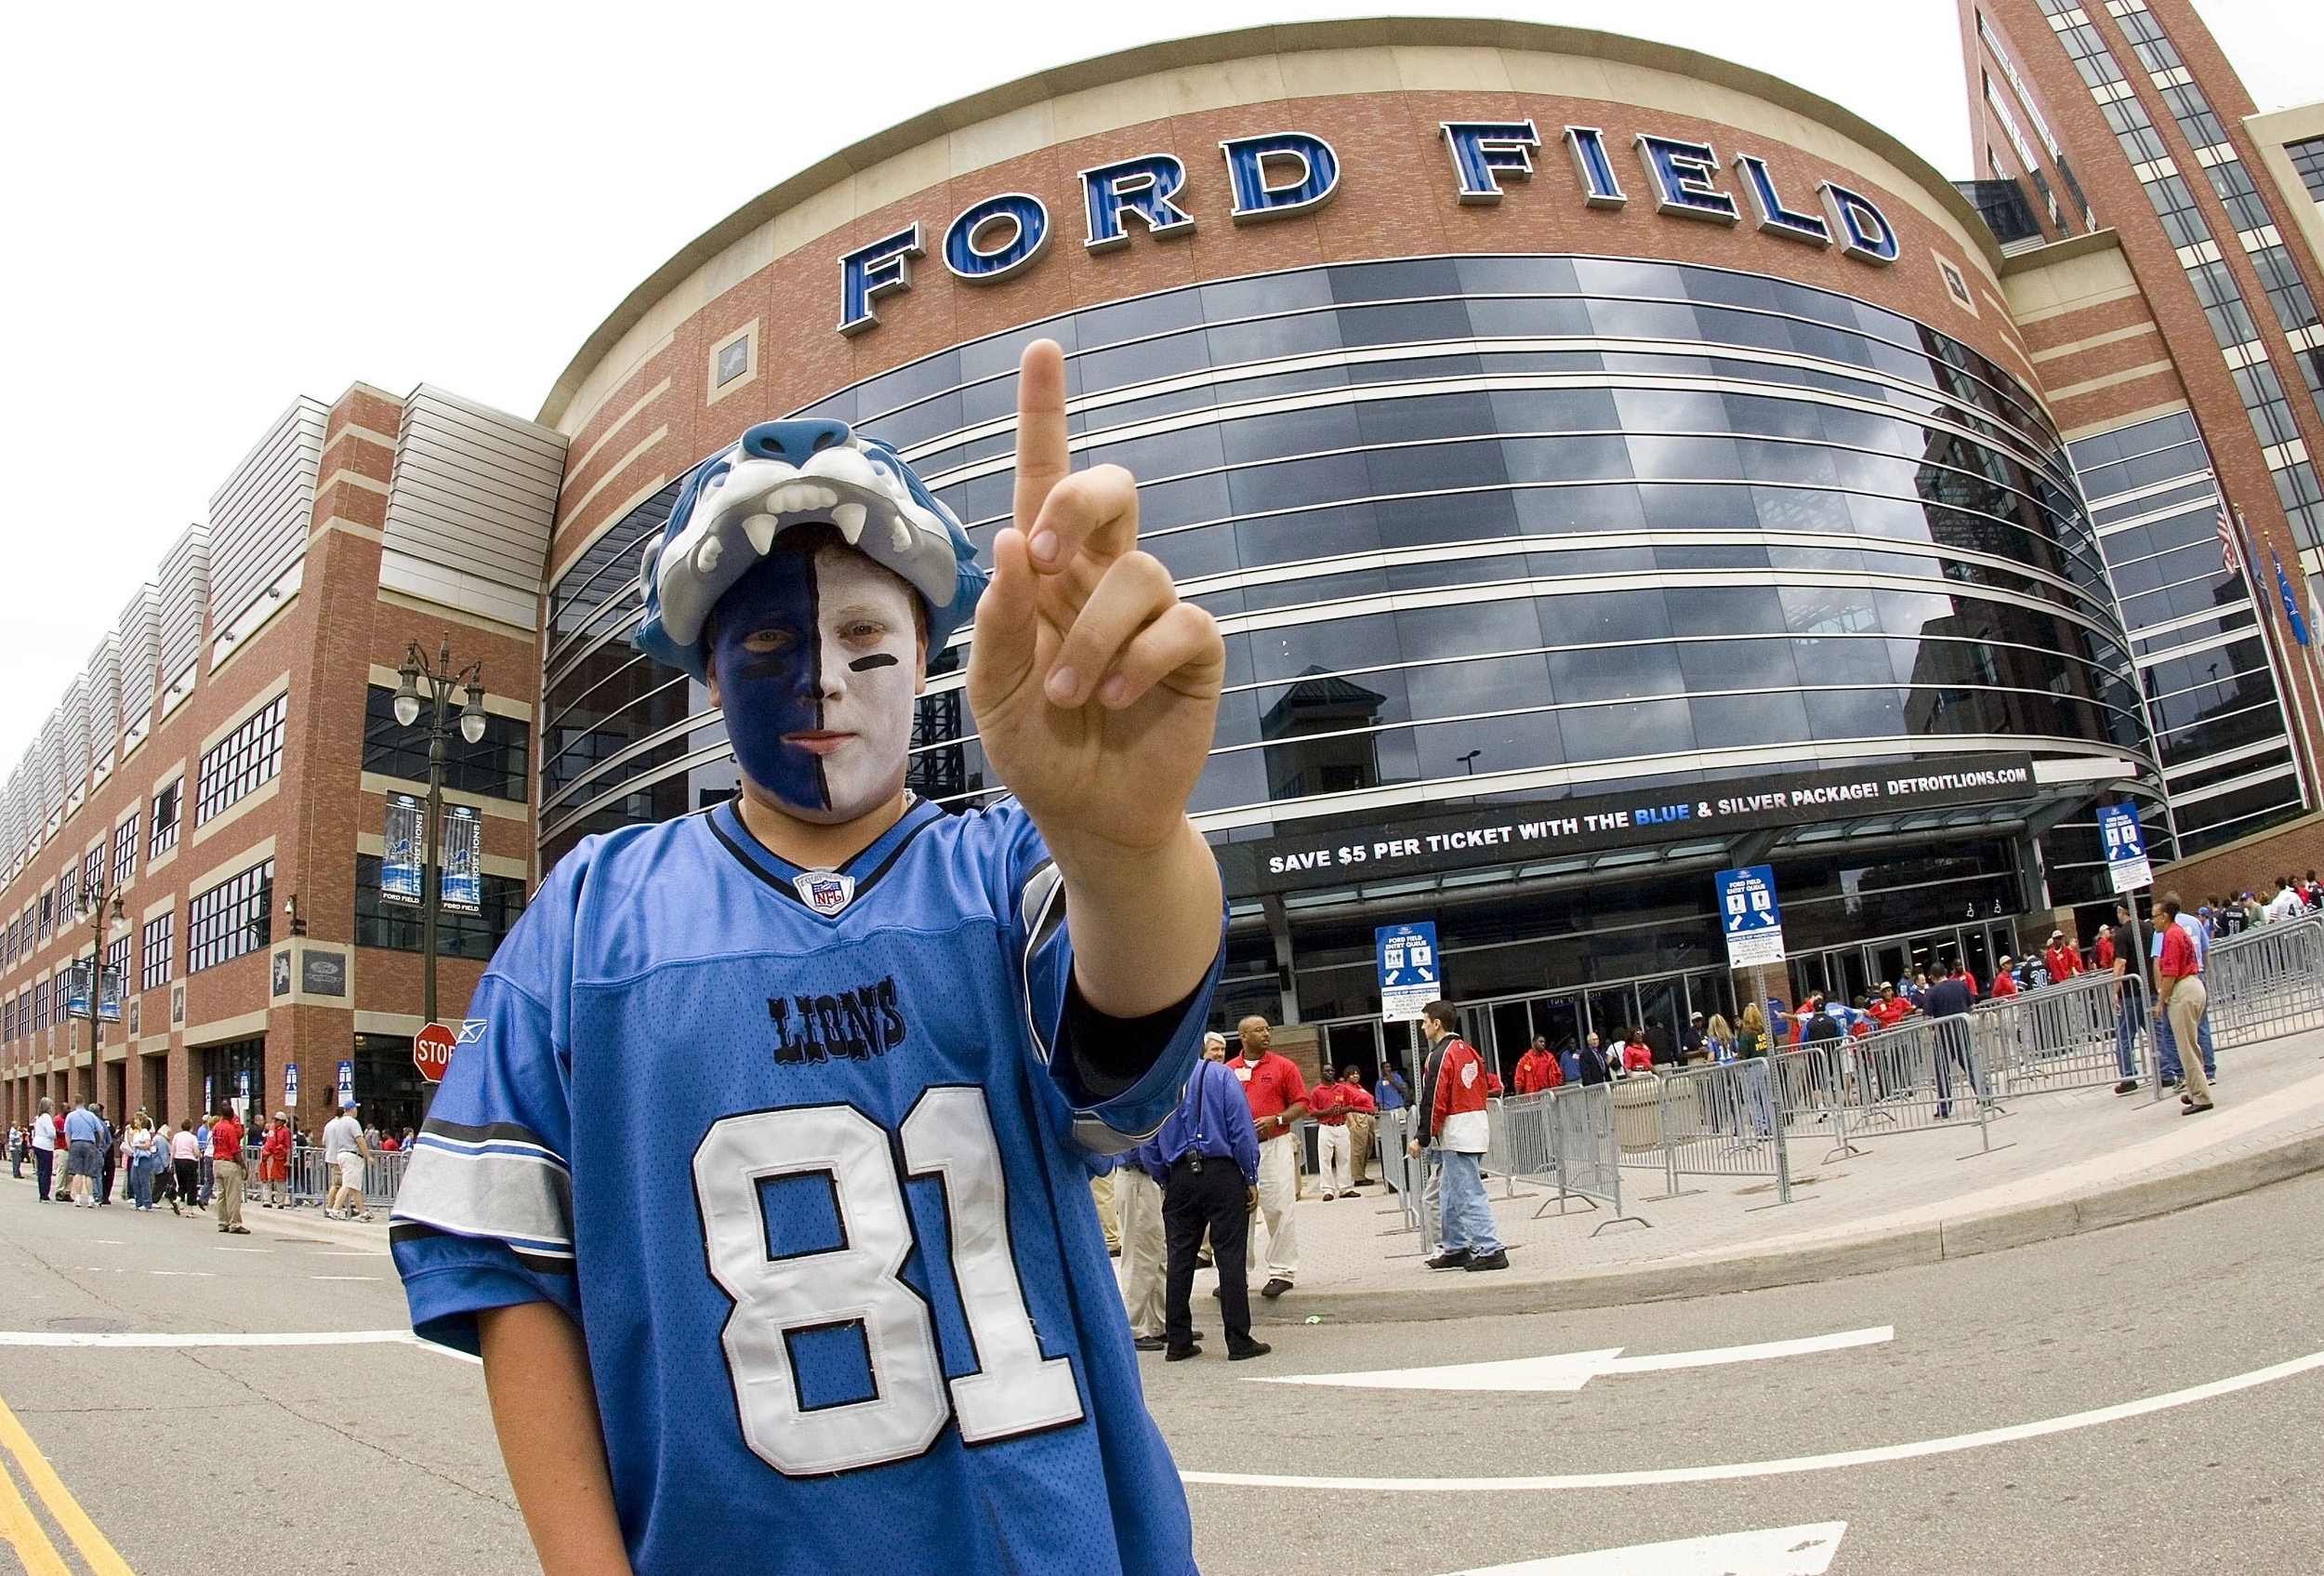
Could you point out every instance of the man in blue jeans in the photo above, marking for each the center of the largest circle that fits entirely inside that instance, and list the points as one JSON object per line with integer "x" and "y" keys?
{"x": 1467, "y": 1239}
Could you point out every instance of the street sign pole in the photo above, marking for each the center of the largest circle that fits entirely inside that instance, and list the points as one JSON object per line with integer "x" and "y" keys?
{"x": 2129, "y": 870}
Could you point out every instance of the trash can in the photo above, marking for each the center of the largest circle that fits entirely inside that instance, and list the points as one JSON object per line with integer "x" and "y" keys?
{"x": 1638, "y": 1113}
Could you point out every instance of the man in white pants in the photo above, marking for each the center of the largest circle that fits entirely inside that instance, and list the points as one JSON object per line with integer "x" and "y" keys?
{"x": 1138, "y": 1212}
{"x": 1278, "y": 1098}
{"x": 1327, "y": 1103}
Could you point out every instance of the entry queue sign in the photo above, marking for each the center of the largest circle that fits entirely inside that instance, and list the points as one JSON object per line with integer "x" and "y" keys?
{"x": 1749, "y": 913}
{"x": 1408, "y": 973}
{"x": 2126, "y": 848}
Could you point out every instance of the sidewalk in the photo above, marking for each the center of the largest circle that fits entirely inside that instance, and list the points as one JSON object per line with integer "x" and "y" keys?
{"x": 2061, "y": 1164}
{"x": 306, "y": 1223}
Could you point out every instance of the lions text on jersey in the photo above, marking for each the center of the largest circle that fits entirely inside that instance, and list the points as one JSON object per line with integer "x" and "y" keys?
{"x": 792, "y": 1147}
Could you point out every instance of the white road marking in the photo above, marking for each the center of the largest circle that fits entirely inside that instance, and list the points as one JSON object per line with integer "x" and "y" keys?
{"x": 1571, "y": 1371}
{"x": 1775, "y": 1551}
{"x": 1728, "y": 1472}
{"x": 212, "y": 1338}
{"x": 194, "y": 1274}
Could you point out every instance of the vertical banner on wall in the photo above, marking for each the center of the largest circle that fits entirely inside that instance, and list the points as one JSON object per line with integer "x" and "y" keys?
{"x": 459, "y": 863}
{"x": 347, "y": 1082}
{"x": 290, "y": 1083}
{"x": 399, "y": 862}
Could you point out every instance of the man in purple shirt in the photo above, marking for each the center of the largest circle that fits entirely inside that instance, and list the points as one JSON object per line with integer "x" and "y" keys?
{"x": 1205, "y": 1156}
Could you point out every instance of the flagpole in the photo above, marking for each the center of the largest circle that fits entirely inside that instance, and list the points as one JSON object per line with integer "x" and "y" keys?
{"x": 2280, "y": 662}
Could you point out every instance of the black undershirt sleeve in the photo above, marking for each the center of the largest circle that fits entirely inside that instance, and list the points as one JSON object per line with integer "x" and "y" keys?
{"x": 1107, "y": 1055}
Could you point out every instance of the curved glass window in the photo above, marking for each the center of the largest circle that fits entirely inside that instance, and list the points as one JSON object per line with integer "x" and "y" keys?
{"x": 1539, "y": 520}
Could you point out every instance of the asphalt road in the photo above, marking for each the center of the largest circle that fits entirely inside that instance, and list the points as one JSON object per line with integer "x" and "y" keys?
{"x": 380, "y": 1458}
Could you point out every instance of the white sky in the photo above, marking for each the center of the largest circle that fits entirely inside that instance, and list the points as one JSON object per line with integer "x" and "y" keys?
{"x": 211, "y": 209}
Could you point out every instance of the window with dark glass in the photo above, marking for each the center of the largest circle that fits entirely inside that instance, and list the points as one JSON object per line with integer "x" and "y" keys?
{"x": 231, "y": 919}
{"x": 396, "y": 926}
{"x": 244, "y": 759}
{"x": 2307, "y": 158}
{"x": 154, "y": 948}
{"x": 164, "y": 836}
{"x": 494, "y": 765}
{"x": 125, "y": 852}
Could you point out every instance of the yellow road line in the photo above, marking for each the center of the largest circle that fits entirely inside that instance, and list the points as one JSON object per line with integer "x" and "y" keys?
{"x": 21, "y": 1533}
{"x": 95, "y": 1551}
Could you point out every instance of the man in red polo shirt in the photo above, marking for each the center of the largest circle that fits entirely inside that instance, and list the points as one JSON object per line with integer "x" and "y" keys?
{"x": 1278, "y": 1097}
{"x": 226, "y": 1145}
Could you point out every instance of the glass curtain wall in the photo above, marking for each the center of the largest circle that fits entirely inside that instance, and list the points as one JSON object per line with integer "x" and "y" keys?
{"x": 1544, "y": 520}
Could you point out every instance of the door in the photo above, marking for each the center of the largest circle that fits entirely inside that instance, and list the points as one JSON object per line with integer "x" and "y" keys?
{"x": 1512, "y": 1031}
{"x": 1356, "y": 1045}
{"x": 1558, "y": 1019}
{"x": 1891, "y": 963}
{"x": 1851, "y": 975}
{"x": 1612, "y": 1013}
{"x": 1662, "y": 1004}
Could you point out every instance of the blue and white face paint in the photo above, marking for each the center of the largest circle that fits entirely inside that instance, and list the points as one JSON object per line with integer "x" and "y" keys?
{"x": 816, "y": 661}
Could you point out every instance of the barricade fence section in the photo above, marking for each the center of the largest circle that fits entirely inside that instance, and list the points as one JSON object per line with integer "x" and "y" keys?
{"x": 1571, "y": 1138}
{"x": 308, "y": 1180}
{"x": 2083, "y": 1032}
{"x": 2265, "y": 982}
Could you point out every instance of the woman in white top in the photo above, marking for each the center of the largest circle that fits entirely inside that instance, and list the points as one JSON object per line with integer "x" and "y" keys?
{"x": 185, "y": 1162}
{"x": 141, "y": 1145}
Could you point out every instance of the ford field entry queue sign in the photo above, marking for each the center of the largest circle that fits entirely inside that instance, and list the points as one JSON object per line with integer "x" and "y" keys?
{"x": 1407, "y": 970}
{"x": 1749, "y": 915}
{"x": 1509, "y": 833}
{"x": 2126, "y": 849}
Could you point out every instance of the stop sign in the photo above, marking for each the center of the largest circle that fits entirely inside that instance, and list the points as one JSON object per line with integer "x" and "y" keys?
{"x": 432, "y": 1051}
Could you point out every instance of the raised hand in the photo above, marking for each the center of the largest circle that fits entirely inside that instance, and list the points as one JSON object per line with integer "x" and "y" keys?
{"x": 1095, "y": 689}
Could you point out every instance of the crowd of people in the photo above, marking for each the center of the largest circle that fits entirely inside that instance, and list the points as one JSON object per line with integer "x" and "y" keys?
{"x": 207, "y": 1165}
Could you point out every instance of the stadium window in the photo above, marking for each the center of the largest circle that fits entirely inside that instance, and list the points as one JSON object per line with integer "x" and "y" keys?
{"x": 165, "y": 820}
{"x": 154, "y": 956}
{"x": 494, "y": 765}
{"x": 231, "y": 919}
{"x": 244, "y": 759}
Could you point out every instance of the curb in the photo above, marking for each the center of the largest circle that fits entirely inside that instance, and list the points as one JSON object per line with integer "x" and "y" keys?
{"x": 1867, "y": 1254}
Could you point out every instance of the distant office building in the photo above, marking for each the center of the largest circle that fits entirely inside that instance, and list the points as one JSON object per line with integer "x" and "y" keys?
{"x": 2170, "y": 299}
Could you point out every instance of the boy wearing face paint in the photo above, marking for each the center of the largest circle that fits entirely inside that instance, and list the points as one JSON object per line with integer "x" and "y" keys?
{"x": 891, "y": 1039}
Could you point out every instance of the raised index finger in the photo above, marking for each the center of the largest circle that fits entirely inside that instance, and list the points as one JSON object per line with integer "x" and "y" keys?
{"x": 1042, "y": 458}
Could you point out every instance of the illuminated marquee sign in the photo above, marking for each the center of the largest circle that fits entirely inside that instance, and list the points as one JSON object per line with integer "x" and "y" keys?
{"x": 1291, "y": 172}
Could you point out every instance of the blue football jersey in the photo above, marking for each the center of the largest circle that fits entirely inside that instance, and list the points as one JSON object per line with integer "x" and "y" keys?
{"x": 792, "y": 1146}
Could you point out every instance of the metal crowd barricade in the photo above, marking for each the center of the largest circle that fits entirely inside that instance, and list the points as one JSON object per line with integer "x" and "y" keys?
{"x": 2081, "y": 1033}
{"x": 1398, "y": 1168}
{"x": 1715, "y": 1121}
{"x": 1924, "y": 1073}
{"x": 2265, "y": 982}
{"x": 383, "y": 1174}
{"x": 1569, "y": 1137}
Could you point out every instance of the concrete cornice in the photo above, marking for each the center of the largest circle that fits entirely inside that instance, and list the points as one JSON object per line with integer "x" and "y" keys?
{"x": 1290, "y": 38}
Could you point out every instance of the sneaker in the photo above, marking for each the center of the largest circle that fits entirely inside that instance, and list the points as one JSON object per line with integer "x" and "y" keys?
{"x": 1274, "y": 1287}
{"x": 2128, "y": 1086}
{"x": 1243, "y": 1351}
{"x": 1496, "y": 1259}
{"x": 2197, "y": 1110}
{"x": 1328, "y": 1195}
{"x": 1451, "y": 1258}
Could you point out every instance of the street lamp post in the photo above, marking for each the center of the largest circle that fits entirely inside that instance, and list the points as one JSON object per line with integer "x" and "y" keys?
{"x": 92, "y": 909}
{"x": 440, "y": 682}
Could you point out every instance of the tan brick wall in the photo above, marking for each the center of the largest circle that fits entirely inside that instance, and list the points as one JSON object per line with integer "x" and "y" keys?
{"x": 326, "y": 639}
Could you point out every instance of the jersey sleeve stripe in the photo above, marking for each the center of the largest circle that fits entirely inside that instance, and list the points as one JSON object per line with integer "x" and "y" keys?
{"x": 520, "y": 1196}
{"x": 539, "y": 1261}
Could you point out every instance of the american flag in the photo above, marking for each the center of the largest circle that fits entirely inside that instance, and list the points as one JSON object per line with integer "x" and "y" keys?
{"x": 2233, "y": 564}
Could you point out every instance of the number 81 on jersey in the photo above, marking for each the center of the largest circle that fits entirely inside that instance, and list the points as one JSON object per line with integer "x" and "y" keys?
{"x": 948, "y": 1135}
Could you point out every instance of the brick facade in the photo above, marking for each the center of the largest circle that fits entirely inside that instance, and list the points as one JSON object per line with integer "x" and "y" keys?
{"x": 322, "y": 647}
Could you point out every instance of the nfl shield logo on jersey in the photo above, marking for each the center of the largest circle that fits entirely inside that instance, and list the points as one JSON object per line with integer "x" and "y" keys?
{"x": 826, "y": 892}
